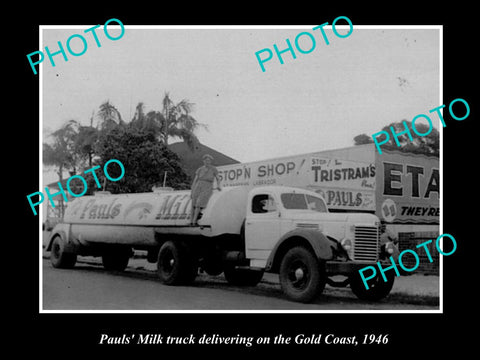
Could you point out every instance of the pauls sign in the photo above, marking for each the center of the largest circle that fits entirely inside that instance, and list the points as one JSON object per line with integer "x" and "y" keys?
{"x": 344, "y": 184}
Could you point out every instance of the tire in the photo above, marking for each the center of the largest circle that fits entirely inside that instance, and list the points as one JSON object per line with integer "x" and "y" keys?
{"x": 212, "y": 267}
{"x": 59, "y": 257}
{"x": 378, "y": 288}
{"x": 116, "y": 259}
{"x": 211, "y": 261}
{"x": 176, "y": 264}
{"x": 242, "y": 277}
{"x": 302, "y": 275}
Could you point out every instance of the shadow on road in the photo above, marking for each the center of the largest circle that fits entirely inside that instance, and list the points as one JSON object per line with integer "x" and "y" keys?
{"x": 338, "y": 296}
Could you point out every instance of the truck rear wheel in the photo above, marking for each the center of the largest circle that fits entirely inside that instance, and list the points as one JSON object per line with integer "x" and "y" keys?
{"x": 302, "y": 276}
{"x": 116, "y": 259}
{"x": 377, "y": 289}
{"x": 59, "y": 257}
{"x": 176, "y": 264}
{"x": 212, "y": 267}
{"x": 242, "y": 277}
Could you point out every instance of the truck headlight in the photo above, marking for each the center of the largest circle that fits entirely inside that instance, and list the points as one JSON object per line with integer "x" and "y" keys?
{"x": 346, "y": 244}
{"x": 389, "y": 248}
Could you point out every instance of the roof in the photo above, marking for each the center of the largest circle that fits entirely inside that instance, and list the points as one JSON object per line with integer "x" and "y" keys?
{"x": 192, "y": 160}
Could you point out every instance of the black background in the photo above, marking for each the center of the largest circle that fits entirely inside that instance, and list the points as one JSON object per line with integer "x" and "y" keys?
{"x": 68, "y": 335}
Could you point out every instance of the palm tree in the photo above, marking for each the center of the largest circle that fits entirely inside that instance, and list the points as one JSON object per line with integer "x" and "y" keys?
{"x": 109, "y": 116}
{"x": 150, "y": 122}
{"x": 178, "y": 121}
{"x": 139, "y": 116}
{"x": 173, "y": 121}
{"x": 61, "y": 152}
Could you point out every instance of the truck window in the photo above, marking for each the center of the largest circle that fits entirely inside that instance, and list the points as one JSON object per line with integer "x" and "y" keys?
{"x": 294, "y": 201}
{"x": 303, "y": 202}
{"x": 316, "y": 204}
{"x": 263, "y": 203}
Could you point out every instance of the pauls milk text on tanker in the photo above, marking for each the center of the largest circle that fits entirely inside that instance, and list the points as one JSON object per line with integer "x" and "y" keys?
{"x": 79, "y": 179}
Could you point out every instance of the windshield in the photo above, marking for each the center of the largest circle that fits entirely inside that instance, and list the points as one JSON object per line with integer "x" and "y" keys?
{"x": 303, "y": 202}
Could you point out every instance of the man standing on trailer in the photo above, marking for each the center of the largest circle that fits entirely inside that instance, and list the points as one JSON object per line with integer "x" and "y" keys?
{"x": 202, "y": 187}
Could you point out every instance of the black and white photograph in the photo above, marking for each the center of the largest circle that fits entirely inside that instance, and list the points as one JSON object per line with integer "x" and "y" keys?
{"x": 288, "y": 205}
{"x": 250, "y": 185}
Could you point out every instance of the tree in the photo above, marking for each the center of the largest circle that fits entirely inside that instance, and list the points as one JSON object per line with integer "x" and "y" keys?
{"x": 362, "y": 139}
{"x": 140, "y": 145}
{"x": 61, "y": 152}
{"x": 85, "y": 141}
{"x": 144, "y": 158}
{"x": 150, "y": 122}
{"x": 109, "y": 116}
{"x": 428, "y": 144}
{"x": 174, "y": 120}
{"x": 178, "y": 121}
{"x": 139, "y": 116}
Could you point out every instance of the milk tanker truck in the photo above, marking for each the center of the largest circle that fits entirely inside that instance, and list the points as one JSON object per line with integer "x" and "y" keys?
{"x": 243, "y": 232}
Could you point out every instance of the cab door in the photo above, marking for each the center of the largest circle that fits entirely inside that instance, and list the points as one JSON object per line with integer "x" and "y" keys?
{"x": 262, "y": 226}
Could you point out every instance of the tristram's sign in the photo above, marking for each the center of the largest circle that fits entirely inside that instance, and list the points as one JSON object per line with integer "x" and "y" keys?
{"x": 346, "y": 185}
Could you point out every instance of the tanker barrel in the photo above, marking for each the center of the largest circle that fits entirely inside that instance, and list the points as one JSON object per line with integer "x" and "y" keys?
{"x": 138, "y": 218}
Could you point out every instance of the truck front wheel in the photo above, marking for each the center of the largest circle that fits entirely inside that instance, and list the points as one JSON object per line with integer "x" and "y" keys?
{"x": 377, "y": 289}
{"x": 302, "y": 275}
{"x": 176, "y": 264}
{"x": 59, "y": 257}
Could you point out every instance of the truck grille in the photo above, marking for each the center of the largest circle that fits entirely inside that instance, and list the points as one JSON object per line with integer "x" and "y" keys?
{"x": 366, "y": 245}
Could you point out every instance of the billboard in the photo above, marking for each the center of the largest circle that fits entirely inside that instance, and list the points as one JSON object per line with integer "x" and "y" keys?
{"x": 345, "y": 184}
{"x": 408, "y": 188}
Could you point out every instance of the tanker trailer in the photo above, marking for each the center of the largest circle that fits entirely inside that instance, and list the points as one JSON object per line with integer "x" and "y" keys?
{"x": 111, "y": 226}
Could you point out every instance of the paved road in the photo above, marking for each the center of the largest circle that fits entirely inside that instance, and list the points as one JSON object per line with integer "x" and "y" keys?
{"x": 90, "y": 287}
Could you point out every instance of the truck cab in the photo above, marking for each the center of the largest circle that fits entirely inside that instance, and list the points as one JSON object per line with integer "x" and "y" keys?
{"x": 279, "y": 219}
{"x": 275, "y": 213}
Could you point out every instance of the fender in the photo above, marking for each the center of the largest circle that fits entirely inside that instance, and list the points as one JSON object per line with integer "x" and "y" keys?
{"x": 321, "y": 245}
{"x": 62, "y": 230}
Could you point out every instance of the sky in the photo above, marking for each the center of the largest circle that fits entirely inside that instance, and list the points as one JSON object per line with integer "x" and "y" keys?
{"x": 318, "y": 101}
